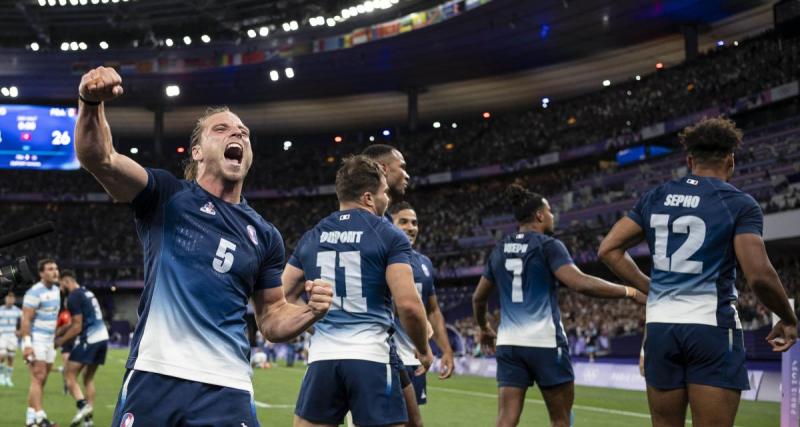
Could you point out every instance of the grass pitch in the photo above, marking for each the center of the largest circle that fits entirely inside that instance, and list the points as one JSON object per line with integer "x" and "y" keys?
{"x": 460, "y": 401}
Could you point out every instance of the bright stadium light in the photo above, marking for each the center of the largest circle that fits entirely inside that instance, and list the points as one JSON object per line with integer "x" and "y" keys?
{"x": 287, "y": 27}
{"x": 287, "y": 145}
{"x": 371, "y": 138}
{"x": 289, "y": 71}
{"x": 263, "y": 31}
{"x": 545, "y": 100}
{"x": 638, "y": 77}
{"x": 173, "y": 91}
{"x": 251, "y": 33}
{"x": 437, "y": 125}
{"x": 168, "y": 42}
{"x": 274, "y": 76}
{"x": 386, "y": 132}
{"x": 35, "y": 47}
{"x": 720, "y": 43}
{"x": 187, "y": 40}
{"x": 4, "y": 91}
{"x": 606, "y": 83}
{"x": 73, "y": 2}
{"x": 454, "y": 125}
{"x": 134, "y": 150}
{"x": 331, "y": 22}
{"x": 205, "y": 38}
{"x": 42, "y": 2}
{"x": 294, "y": 25}
{"x": 103, "y": 45}
{"x": 82, "y": 46}
{"x": 13, "y": 91}
{"x": 65, "y": 46}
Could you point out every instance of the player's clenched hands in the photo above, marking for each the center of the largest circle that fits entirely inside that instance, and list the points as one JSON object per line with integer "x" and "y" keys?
{"x": 783, "y": 336}
{"x": 100, "y": 84}
{"x": 320, "y": 296}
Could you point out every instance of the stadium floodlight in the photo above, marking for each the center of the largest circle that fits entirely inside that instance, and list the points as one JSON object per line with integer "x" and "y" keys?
{"x": 371, "y": 138}
{"x": 205, "y": 38}
{"x": 659, "y": 65}
{"x": 82, "y": 46}
{"x": 134, "y": 150}
{"x": 274, "y": 76}
{"x": 42, "y": 2}
{"x": 487, "y": 115}
{"x": 606, "y": 83}
{"x": 251, "y": 33}
{"x": 263, "y": 31}
{"x": 114, "y": 1}
{"x": 84, "y": 2}
{"x": 95, "y": 1}
{"x": 545, "y": 100}
{"x": 168, "y": 42}
{"x": 638, "y": 77}
{"x": 73, "y": 45}
{"x": 720, "y": 43}
{"x": 73, "y": 2}
{"x": 103, "y": 45}
{"x": 104, "y": 1}
{"x": 65, "y": 46}
{"x": 294, "y": 25}
{"x": 35, "y": 47}
{"x": 4, "y": 91}
{"x": 736, "y": 43}
{"x": 368, "y": 6}
{"x": 361, "y": 9}
{"x": 287, "y": 145}
{"x": 454, "y": 125}
{"x": 172, "y": 90}
{"x": 437, "y": 125}
{"x": 287, "y": 27}
{"x": 353, "y": 11}
{"x": 180, "y": 149}
{"x": 13, "y": 91}
{"x": 386, "y": 132}
{"x": 62, "y": 2}
{"x": 331, "y": 22}
{"x": 289, "y": 71}
{"x": 338, "y": 139}
{"x": 187, "y": 40}
{"x": 345, "y": 13}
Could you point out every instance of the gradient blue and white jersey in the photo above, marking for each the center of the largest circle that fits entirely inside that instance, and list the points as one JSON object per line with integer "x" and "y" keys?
{"x": 9, "y": 316}
{"x": 689, "y": 224}
{"x": 46, "y": 302}
{"x": 423, "y": 280}
{"x": 522, "y": 266}
{"x": 82, "y": 302}
{"x": 352, "y": 249}
{"x": 204, "y": 258}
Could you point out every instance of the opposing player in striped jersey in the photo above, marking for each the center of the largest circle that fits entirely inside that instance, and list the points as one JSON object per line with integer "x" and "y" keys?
{"x": 9, "y": 323}
{"x": 405, "y": 218}
{"x": 39, "y": 312}
{"x": 697, "y": 228}
{"x": 531, "y": 345}
{"x": 369, "y": 261}
{"x": 91, "y": 344}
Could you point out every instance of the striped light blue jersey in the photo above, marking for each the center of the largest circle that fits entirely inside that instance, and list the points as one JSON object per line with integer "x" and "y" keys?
{"x": 9, "y": 316}
{"x": 423, "y": 279}
{"x": 83, "y": 302}
{"x": 690, "y": 224}
{"x": 352, "y": 249}
{"x": 46, "y": 303}
{"x": 522, "y": 267}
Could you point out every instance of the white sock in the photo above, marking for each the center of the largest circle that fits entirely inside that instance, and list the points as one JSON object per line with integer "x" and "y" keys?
{"x": 9, "y": 372}
{"x": 40, "y": 415}
{"x": 30, "y": 416}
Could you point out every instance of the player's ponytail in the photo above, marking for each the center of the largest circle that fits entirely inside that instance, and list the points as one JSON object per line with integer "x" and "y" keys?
{"x": 524, "y": 203}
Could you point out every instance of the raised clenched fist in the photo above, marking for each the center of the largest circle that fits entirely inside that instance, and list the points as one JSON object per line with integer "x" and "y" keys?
{"x": 100, "y": 84}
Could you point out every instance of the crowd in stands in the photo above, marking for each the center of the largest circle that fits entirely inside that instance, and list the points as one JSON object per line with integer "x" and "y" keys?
{"x": 461, "y": 221}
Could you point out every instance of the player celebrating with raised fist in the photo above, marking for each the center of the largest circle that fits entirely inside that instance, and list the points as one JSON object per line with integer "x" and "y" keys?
{"x": 206, "y": 252}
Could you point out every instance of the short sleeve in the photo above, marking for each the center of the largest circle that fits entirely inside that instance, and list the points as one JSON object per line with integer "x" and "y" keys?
{"x": 74, "y": 303}
{"x": 271, "y": 269}
{"x": 750, "y": 218}
{"x": 488, "y": 271}
{"x": 31, "y": 300}
{"x": 556, "y": 254}
{"x": 295, "y": 258}
{"x": 161, "y": 185}
{"x": 637, "y": 213}
{"x": 399, "y": 250}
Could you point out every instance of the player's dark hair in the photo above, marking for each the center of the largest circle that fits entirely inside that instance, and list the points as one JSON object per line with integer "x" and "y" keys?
{"x": 711, "y": 139}
{"x": 378, "y": 151}
{"x": 190, "y": 164}
{"x": 43, "y": 262}
{"x": 400, "y": 206}
{"x": 68, "y": 273}
{"x": 524, "y": 203}
{"x": 357, "y": 175}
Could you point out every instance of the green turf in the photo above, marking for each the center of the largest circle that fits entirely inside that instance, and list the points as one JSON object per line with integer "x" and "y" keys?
{"x": 460, "y": 401}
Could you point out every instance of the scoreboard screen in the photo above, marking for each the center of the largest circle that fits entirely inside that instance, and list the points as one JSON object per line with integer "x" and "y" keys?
{"x": 37, "y": 137}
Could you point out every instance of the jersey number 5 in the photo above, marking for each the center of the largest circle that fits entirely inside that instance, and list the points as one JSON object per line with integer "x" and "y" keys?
{"x": 224, "y": 259}
{"x": 679, "y": 262}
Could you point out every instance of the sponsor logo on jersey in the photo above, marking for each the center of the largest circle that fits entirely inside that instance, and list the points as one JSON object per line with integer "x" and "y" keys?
{"x": 127, "y": 420}
{"x": 684, "y": 200}
{"x": 251, "y": 231}
{"x": 209, "y": 209}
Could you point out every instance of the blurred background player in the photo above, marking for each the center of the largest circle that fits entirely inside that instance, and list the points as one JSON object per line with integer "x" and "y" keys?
{"x": 349, "y": 354}
{"x": 10, "y": 316}
{"x": 405, "y": 218}
{"x": 62, "y": 325}
{"x": 531, "y": 346}
{"x": 39, "y": 312}
{"x": 195, "y": 293}
{"x": 393, "y": 164}
{"x": 697, "y": 228}
{"x": 90, "y": 336}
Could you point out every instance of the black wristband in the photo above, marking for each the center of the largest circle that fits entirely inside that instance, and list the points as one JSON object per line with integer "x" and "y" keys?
{"x": 87, "y": 102}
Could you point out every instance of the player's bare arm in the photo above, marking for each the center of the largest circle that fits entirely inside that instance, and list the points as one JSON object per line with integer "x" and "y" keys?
{"x": 400, "y": 279}
{"x": 280, "y": 321}
{"x": 613, "y": 252}
{"x": 28, "y": 314}
{"x": 765, "y": 282}
{"x": 436, "y": 320}
{"x": 571, "y": 276}
{"x": 122, "y": 177}
{"x": 72, "y": 330}
{"x": 480, "y": 304}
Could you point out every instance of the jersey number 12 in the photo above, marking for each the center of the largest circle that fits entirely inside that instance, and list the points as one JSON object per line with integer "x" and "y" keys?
{"x": 679, "y": 262}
